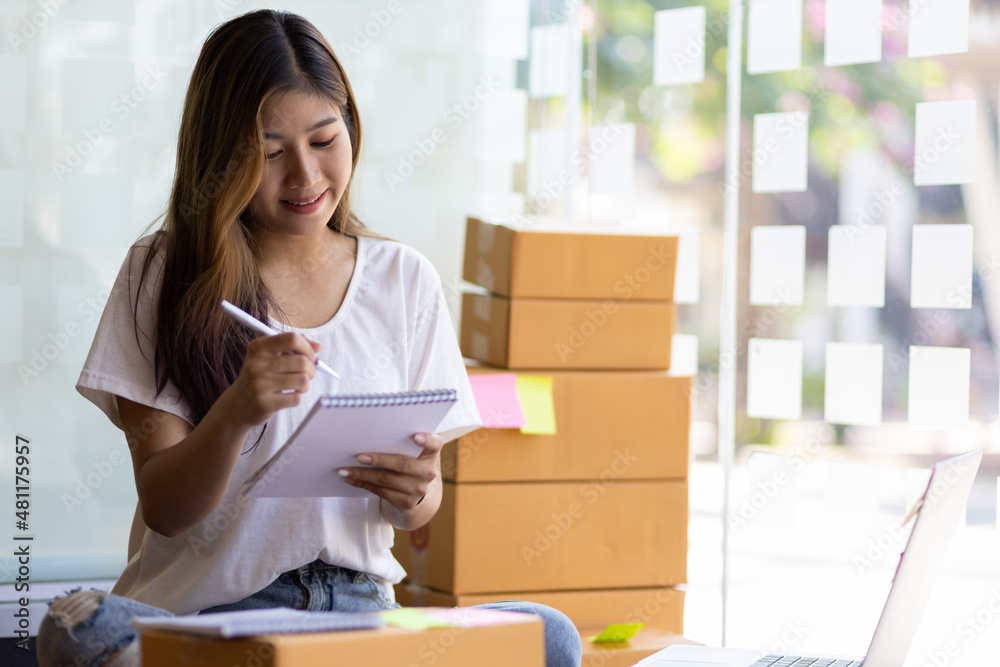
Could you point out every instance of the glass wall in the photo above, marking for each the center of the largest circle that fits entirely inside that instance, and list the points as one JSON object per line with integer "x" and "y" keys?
{"x": 858, "y": 158}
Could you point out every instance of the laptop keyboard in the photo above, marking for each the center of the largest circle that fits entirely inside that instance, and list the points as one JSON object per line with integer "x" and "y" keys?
{"x": 796, "y": 661}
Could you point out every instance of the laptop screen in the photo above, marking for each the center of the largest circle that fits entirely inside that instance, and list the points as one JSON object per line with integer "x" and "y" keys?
{"x": 943, "y": 502}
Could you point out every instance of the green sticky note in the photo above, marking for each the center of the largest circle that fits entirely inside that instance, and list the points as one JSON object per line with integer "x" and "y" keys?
{"x": 412, "y": 619}
{"x": 536, "y": 400}
{"x": 617, "y": 633}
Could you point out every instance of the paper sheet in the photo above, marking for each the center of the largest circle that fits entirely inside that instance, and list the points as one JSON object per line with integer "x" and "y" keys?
{"x": 548, "y": 156}
{"x": 679, "y": 46}
{"x": 945, "y": 144}
{"x": 92, "y": 98}
{"x": 774, "y": 36}
{"x": 853, "y": 384}
{"x": 412, "y": 618}
{"x": 781, "y": 151}
{"x": 116, "y": 11}
{"x": 684, "y": 355}
{"x": 112, "y": 195}
{"x": 497, "y": 400}
{"x": 851, "y": 492}
{"x": 939, "y": 387}
{"x": 13, "y": 79}
{"x": 687, "y": 284}
{"x": 617, "y": 633}
{"x": 938, "y": 27}
{"x": 612, "y": 169}
{"x": 941, "y": 275}
{"x": 13, "y": 7}
{"x": 536, "y": 400}
{"x": 11, "y": 305}
{"x": 853, "y": 32}
{"x": 774, "y": 379}
{"x": 502, "y": 126}
{"x": 249, "y": 622}
{"x": 856, "y": 266}
{"x": 549, "y": 63}
{"x": 11, "y": 208}
{"x": 777, "y": 264}
{"x": 505, "y": 29}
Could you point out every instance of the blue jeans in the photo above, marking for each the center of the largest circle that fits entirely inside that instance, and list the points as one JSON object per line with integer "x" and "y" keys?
{"x": 90, "y": 628}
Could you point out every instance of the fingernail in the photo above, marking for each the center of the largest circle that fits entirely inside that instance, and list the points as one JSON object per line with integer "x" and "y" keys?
{"x": 364, "y": 458}
{"x": 344, "y": 472}
{"x": 420, "y": 439}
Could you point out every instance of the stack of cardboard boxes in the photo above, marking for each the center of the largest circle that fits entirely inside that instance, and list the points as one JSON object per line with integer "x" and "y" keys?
{"x": 592, "y": 519}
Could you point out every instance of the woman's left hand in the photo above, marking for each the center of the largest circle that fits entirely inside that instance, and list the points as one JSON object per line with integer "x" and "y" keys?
{"x": 400, "y": 480}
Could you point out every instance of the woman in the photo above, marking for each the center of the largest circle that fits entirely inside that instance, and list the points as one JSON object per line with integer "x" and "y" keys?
{"x": 260, "y": 215}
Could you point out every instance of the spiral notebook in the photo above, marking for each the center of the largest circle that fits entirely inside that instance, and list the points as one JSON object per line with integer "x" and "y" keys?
{"x": 336, "y": 430}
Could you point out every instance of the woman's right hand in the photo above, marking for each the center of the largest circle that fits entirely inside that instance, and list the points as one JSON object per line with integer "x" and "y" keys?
{"x": 276, "y": 372}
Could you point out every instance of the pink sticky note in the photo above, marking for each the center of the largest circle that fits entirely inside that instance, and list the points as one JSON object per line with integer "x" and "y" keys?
{"x": 497, "y": 400}
{"x": 471, "y": 617}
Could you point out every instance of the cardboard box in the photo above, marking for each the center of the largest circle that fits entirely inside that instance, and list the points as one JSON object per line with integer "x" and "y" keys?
{"x": 551, "y": 333}
{"x": 565, "y": 260}
{"x": 634, "y": 425}
{"x": 660, "y": 608}
{"x": 551, "y": 536}
{"x": 647, "y": 642}
{"x": 520, "y": 642}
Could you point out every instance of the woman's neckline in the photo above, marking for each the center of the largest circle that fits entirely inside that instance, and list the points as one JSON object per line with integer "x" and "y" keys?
{"x": 345, "y": 306}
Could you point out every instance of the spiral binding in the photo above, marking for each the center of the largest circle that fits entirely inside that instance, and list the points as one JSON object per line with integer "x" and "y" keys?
{"x": 397, "y": 398}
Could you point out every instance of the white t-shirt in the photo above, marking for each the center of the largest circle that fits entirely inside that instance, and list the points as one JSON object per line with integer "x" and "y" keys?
{"x": 392, "y": 333}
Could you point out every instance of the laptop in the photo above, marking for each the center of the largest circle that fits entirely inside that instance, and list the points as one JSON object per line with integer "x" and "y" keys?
{"x": 938, "y": 513}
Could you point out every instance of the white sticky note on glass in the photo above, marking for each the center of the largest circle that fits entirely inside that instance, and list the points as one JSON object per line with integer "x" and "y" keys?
{"x": 853, "y": 384}
{"x": 938, "y": 27}
{"x": 93, "y": 98}
{"x": 612, "y": 167}
{"x": 945, "y": 145}
{"x": 777, "y": 265}
{"x": 549, "y": 63}
{"x": 687, "y": 284}
{"x": 11, "y": 208}
{"x": 850, "y": 492}
{"x": 781, "y": 151}
{"x": 11, "y": 301}
{"x": 503, "y": 126}
{"x": 941, "y": 275}
{"x": 113, "y": 196}
{"x": 679, "y": 46}
{"x": 115, "y": 11}
{"x": 771, "y": 479}
{"x": 504, "y": 29}
{"x": 774, "y": 379}
{"x": 14, "y": 8}
{"x": 853, "y": 32}
{"x": 548, "y": 159}
{"x": 856, "y": 266}
{"x": 939, "y": 387}
{"x": 774, "y": 36}
{"x": 14, "y": 82}
{"x": 683, "y": 355}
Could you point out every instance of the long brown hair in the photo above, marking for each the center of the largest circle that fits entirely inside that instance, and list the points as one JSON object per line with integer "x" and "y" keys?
{"x": 207, "y": 241}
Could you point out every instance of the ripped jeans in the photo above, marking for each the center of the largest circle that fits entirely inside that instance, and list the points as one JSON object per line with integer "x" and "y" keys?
{"x": 91, "y": 628}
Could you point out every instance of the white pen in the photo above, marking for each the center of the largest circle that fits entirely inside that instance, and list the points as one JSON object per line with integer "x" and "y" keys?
{"x": 261, "y": 328}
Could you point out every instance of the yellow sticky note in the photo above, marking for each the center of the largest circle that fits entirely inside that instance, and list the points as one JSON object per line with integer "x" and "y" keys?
{"x": 617, "y": 633}
{"x": 412, "y": 618}
{"x": 536, "y": 400}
